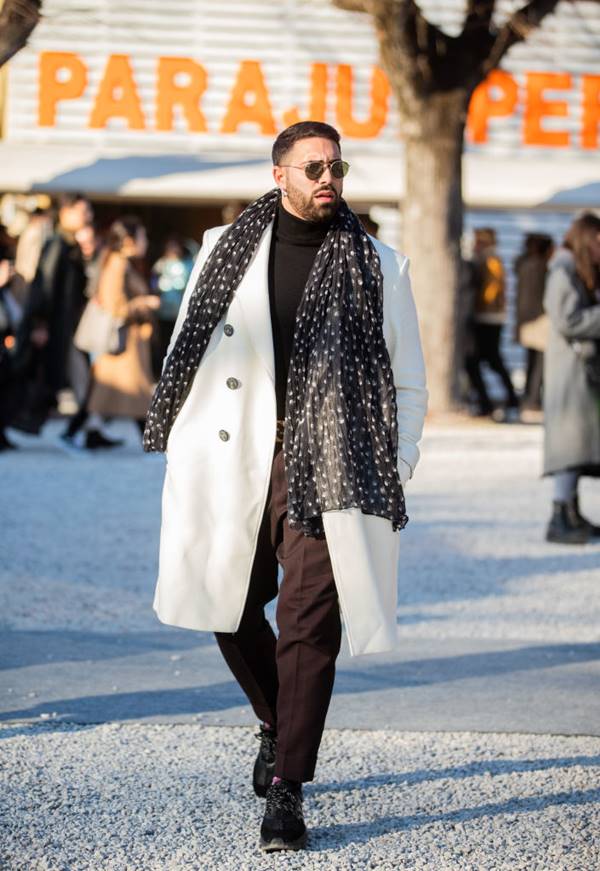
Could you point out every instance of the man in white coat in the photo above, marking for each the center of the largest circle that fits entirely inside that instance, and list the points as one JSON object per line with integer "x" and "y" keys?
{"x": 290, "y": 406}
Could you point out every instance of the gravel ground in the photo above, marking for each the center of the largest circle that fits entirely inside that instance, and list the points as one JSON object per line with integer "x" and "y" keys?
{"x": 79, "y": 553}
{"x": 152, "y": 797}
{"x": 81, "y": 536}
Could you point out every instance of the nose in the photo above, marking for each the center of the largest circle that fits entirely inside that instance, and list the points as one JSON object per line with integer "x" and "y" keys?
{"x": 327, "y": 174}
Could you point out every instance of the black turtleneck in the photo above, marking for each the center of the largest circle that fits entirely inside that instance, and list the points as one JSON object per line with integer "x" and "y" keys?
{"x": 294, "y": 245}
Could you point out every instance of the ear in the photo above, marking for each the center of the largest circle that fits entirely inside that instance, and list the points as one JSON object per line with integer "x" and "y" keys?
{"x": 279, "y": 176}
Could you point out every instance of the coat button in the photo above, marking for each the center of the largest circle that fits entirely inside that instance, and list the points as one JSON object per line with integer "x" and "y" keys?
{"x": 233, "y": 383}
{"x": 228, "y": 330}
{"x": 223, "y": 435}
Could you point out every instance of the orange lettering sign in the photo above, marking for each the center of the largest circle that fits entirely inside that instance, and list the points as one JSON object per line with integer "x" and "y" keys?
{"x": 537, "y": 107}
{"x": 496, "y": 97}
{"x": 317, "y": 104}
{"x": 171, "y": 93}
{"x": 380, "y": 92}
{"x": 249, "y": 102}
{"x": 117, "y": 96}
{"x": 591, "y": 111}
{"x": 54, "y": 87}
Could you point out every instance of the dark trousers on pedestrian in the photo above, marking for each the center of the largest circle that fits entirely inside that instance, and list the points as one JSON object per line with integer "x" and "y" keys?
{"x": 535, "y": 376}
{"x": 486, "y": 349}
{"x": 288, "y": 680}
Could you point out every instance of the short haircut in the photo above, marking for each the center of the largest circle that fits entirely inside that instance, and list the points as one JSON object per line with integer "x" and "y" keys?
{"x": 69, "y": 199}
{"x": 485, "y": 235}
{"x": 303, "y": 130}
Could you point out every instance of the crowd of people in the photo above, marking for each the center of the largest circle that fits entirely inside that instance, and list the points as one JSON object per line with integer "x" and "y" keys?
{"x": 79, "y": 310}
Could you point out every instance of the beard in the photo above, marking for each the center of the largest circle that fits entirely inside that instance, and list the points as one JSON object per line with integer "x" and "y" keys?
{"x": 310, "y": 208}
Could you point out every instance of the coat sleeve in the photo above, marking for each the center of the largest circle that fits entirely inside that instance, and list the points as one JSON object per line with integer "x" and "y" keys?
{"x": 208, "y": 242}
{"x": 401, "y": 330}
{"x": 566, "y": 310}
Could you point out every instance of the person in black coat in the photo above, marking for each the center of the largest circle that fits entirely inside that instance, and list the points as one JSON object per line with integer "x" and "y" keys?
{"x": 9, "y": 314}
{"x": 53, "y": 306}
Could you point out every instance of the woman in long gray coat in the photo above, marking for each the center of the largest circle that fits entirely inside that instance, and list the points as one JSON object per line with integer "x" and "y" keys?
{"x": 571, "y": 402}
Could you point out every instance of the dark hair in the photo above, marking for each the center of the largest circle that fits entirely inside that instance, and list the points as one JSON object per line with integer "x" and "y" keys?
{"x": 579, "y": 236}
{"x": 121, "y": 229}
{"x": 303, "y": 130}
{"x": 538, "y": 244}
{"x": 485, "y": 235}
{"x": 70, "y": 199}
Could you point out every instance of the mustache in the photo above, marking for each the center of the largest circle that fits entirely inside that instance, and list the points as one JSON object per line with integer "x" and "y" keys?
{"x": 328, "y": 189}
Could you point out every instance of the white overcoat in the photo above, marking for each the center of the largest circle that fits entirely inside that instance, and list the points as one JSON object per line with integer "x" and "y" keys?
{"x": 219, "y": 457}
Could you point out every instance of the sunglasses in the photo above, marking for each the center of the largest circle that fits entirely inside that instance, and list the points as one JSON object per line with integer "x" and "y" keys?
{"x": 314, "y": 169}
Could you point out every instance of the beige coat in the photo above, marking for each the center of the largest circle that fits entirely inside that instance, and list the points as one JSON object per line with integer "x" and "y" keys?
{"x": 123, "y": 383}
{"x": 215, "y": 491}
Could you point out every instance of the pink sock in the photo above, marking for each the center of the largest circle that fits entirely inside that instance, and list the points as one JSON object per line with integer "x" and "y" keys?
{"x": 276, "y": 779}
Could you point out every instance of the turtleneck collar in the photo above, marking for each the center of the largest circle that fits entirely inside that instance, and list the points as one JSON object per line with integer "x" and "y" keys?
{"x": 296, "y": 231}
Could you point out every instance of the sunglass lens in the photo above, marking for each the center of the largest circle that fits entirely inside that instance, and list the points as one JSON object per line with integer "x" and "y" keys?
{"x": 339, "y": 168}
{"x": 314, "y": 170}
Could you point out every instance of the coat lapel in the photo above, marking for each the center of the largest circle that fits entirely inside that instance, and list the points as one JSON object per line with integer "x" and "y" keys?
{"x": 253, "y": 299}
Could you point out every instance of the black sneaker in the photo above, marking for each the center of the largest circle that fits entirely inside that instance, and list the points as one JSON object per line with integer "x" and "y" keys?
{"x": 283, "y": 823}
{"x": 264, "y": 767}
{"x": 94, "y": 439}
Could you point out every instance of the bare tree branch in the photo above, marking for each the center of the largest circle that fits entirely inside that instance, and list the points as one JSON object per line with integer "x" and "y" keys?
{"x": 18, "y": 19}
{"x": 403, "y": 30}
{"x": 479, "y": 15}
{"x": 517, "y": 28}
{"x": 353, "y": 5}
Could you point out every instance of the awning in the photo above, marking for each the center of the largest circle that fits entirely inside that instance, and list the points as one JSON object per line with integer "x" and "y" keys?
{"x": 488, "y": 182}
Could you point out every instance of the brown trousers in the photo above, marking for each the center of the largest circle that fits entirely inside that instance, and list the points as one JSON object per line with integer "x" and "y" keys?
{"x": 288, "y": 680}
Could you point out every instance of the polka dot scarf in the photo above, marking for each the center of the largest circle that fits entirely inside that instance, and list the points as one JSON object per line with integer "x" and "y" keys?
{"x": 341, "y": 437}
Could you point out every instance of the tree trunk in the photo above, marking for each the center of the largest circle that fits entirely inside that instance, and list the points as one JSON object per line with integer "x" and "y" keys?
{"x": 431, "y": 234}
{"x": 18, "y": 19}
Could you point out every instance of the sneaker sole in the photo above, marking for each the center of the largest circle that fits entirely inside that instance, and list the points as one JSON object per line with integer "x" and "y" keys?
{"x": 277, "y": 844}
{"x": 558, "y": 539}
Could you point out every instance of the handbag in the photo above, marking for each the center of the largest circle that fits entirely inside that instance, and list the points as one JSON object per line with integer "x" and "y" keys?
{"x": 99, "y": 332}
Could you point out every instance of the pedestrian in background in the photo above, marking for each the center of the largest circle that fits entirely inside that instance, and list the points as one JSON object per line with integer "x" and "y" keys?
{"x": 572, "y": 377}
{"x": 53, "y": 305}
{"x": 9, "y": 317}
{"x": 122, "y": 381}
{"x": 531, "y": 321}
{"x": 29, "y": 249}
{"x": 168, "y": 279}
{"x": 487, "y": 319}
{"x": 83, "y": 431}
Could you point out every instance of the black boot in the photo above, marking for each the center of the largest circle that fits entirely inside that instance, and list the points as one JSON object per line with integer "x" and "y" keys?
{"x": 95, "y": 440}
{"x": 592, "y": 529}
{"x": 264, "y": 767}
{"x": 565, "y": 527}
{"x": 283, "y": 823}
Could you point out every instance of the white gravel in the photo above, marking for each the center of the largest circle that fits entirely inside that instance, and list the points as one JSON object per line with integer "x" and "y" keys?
{"x": 164, "y": 798}
{"x": 79, "y": 549}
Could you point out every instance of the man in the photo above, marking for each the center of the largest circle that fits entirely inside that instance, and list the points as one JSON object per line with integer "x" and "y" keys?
{"x": 55, "y": 301}
{"x": 52, "y": 308}
{"x": 488, "y": 318}
{"x": 290, "y": 405}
